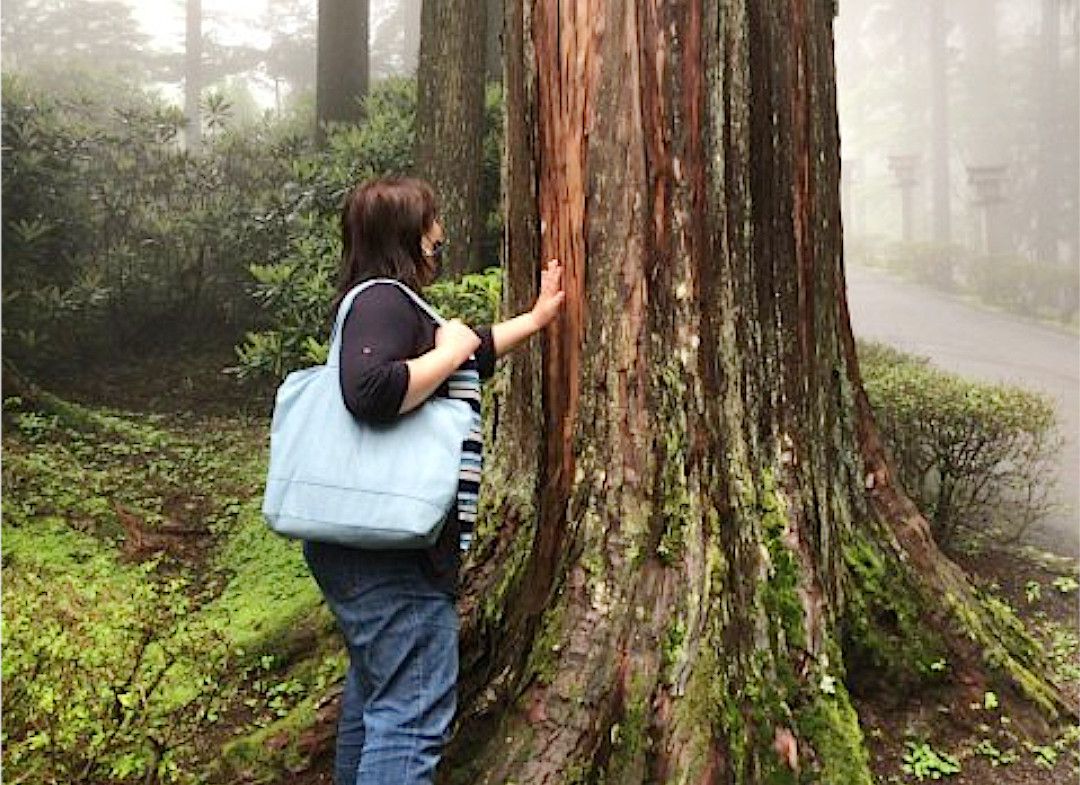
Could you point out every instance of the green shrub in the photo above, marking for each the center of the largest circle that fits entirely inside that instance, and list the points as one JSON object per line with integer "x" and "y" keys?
{"x": 972, "y": 455}
{"x": 105, "y": 678}
{"x": 114, "y": 238}
{"x": 866, "y": 250}
{"x": 1025, "y": 287}
{"x": 1017, "y": 284}
{"x": 474, "y": 299}
{"x": 926, "y": 263}
{"x": 300, "y": 303}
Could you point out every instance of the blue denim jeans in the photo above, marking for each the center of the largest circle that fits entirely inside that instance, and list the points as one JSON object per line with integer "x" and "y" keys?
{"x": 400, "y": 691}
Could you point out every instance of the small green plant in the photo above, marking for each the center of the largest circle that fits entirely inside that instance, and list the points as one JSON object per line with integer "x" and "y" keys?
{"x": 1033, "y": 591}
{"x": 940, "y": 665}
{"x": 997, "y": 757}
{"x": 109, "y": 677}
{"x": 1063, "y": 648}
{"x": 1066, "y": 584}
{"x": 924, "y": 762}
{"x": 117, "y": 666}
{"x": 1045, "y": 754}
{"x": 990, "y": 701}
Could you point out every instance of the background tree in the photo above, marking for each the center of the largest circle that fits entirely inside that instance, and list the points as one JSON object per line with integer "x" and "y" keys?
{"x": 449, "y": 120}
{"x": 341, "y": 62}
{"x": 40, "y": 33}
{"x": 940, "y": 195}
{"x": 493, "y": 34}
{"x": 193, "y": 45}
{"x": 395, "y": 43}
{"x": 290, "y": 57}
{"x": 981, "y": 134}
{"x": 979, "y": 118}
{"x": 1047, "y": 79}
{"x": 695, "y": 540}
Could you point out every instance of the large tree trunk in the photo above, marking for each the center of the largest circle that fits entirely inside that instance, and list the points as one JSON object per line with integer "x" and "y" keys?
{"x": 341, "y": 78}
{"x": 692, "y": 535}
{"x": 450, "y": 120}
{"x": 493, "y": 68}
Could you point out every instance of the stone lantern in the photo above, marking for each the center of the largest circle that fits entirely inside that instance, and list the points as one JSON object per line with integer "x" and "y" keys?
{"x": 988, "y": 184}
{"x": 904, "y": 170}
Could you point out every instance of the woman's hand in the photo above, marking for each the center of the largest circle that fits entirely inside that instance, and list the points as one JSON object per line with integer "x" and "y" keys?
{"x": 551, "y": 296}
{"x": 505, "y": 336}
{"x": 454, "y": 342}
{"x": 458, "y": 338}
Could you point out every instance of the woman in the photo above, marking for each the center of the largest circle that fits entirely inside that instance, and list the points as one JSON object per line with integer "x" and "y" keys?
{"x": 396, "y": 608}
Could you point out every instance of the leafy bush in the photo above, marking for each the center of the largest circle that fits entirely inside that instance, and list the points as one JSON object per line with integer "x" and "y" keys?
{"x": 1026, "y": 287}
{"x": 102, "y": 669}
{"x": 474, "y": 299}
{"x": 300, "y": 304}
{"x": 927, "y": 263}
{"x": 867, "y": 250}
{"x": 116, "y": 238}
{"x": 972, "y": 455}
{"x": 1017, "y": 284}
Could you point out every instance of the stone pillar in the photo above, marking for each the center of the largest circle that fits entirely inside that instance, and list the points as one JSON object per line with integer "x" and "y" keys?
{"x": 988, "y": 185}
{"x": 903, "y": 168}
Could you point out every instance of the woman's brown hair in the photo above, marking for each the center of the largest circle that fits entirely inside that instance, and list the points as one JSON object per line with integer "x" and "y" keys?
{"x": 382, "y": 222}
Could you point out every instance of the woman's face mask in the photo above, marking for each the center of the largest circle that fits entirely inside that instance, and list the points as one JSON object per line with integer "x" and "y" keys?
{"x": 433, "y": 247}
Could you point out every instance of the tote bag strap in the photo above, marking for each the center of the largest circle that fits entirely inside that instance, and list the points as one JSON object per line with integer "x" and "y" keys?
{"x": 334, "y": 355}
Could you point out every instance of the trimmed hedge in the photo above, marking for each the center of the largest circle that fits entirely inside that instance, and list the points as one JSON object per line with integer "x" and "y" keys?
{"x": 973, "y": 455}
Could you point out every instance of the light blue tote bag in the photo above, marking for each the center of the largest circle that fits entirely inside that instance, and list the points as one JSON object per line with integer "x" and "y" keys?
{"x": 334, "y": 478}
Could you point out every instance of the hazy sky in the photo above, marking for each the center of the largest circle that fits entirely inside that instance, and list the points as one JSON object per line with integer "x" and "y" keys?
{"x": 232, "y": 21}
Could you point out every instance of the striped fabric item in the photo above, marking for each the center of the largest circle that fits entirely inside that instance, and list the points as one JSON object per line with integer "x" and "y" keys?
{"x": 464, "y": 385}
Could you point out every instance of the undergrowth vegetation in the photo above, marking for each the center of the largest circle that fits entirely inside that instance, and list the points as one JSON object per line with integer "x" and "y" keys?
{"x": 145, "y": 602}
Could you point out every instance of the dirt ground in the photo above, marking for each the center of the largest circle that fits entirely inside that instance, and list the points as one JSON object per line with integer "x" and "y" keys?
{"x": 1004, "y": 744}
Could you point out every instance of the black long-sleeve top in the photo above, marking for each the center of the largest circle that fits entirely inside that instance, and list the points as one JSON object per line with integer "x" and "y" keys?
{"x": 382, "y": 330}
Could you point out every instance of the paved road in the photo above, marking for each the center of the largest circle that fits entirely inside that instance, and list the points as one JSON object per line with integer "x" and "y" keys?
{"x": 983, "y": 344}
